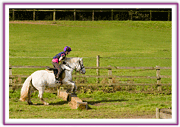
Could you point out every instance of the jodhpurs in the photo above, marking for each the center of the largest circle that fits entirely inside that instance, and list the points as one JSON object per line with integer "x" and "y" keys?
{"x": 57, "y": 66}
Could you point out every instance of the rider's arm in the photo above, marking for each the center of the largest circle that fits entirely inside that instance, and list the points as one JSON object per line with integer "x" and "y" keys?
{"x": 60, "y": 59}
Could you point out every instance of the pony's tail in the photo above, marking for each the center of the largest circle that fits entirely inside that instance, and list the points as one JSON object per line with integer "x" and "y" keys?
{"x": 25, "y": 88}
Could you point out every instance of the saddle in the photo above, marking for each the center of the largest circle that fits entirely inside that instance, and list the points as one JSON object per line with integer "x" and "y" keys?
{"x": 55, "y": 71}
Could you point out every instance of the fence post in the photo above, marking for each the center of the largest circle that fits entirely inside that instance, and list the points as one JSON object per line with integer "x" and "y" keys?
{"x": 158, "y": 78}
{"x": 54, "y": 15}
{"x": 97, "y": 70}
{"x": 74, "y": 15}
{"x": 93, "y": 15}
{"x": 110, "y": 74}
{"x": 168, "y": 15}
{"x": 131, "y": 13}
{"x": 10, "y": 73}
{"x": 112, "y": 14}
{"x": 13, "y": 14}
{"x": 34, "y": 15}
{"x": 150, "y": 15}
{"x": 157, "y": 113}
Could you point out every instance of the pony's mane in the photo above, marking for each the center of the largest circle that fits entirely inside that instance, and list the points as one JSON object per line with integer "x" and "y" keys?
{"x": 72, "y": 59}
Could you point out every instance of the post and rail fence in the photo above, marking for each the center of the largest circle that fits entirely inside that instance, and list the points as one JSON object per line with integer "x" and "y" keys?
{"x": 109, "y": 68}
{"x": 113, "y": 14}
{"x": 109, "y": 75}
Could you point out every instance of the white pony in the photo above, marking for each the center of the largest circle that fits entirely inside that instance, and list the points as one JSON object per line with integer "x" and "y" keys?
{"x": 44, "y": 78}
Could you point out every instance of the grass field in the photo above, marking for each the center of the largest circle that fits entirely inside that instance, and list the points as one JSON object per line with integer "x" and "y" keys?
{"x": 89, "y": 39}
{"x": 138, "y": 44}
{"x": 102, "y": 105}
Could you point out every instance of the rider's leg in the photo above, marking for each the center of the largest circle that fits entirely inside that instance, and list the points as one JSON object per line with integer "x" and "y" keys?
{"x": 58, "y": 67}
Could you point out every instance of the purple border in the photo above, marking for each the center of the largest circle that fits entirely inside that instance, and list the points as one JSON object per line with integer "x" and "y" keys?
{"x": 91, "y": 3}
{"x": 4, "y": 64}
{"x": 177, "y": 64}
{"x": 177, "y": 5}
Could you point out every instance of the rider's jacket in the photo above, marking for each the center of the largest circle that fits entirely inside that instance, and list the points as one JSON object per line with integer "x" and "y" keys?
{"x": 57, "y": 56}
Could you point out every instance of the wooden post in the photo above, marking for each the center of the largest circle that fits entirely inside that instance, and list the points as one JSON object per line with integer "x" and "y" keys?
{"x": 13, "y": 14}
{"x": 150, "y": 15}
{"x": 34, "y": 15}
{"x": 74, "y": 15}
{"x": 158, "y": 78}
{"x": 131, "y": 12}
{"x": 158, "y": 75}
{"x": 165, "y": 113}
{"x": 92, "y": 15}
{"x": 98, "y": 65}
{"x": 54, "y": 15}
{"x": 10, "y": 73}
{"x": 131, "y": 17}
{"x": 110, "y": 74}
{"x": 64, "y": 95}
{"x": 168, "y": 15}
{"x": 76, "y": 103}
{"x": 59, "y": 90}
{"x": 112, "y": 14}
{"x": 157, "y": 113}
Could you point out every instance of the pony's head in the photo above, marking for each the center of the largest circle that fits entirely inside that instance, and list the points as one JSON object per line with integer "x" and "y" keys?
{"x": 80, "y": 67}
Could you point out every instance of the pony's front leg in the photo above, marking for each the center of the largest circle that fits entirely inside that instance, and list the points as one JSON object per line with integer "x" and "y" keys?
{"x": 41, "y": 91}
{"x": 73, "y": 86}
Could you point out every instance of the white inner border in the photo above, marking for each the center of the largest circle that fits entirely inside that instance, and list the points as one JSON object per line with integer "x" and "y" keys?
{"x": 94, "y": 121}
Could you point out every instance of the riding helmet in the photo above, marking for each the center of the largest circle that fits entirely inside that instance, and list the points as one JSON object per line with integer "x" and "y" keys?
{"x": 67, "y": 48}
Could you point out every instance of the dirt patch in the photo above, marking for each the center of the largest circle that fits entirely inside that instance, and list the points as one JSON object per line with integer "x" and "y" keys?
{"x": 32, "y": 22}
{"x": 49, "y": 23}
{"x": 142, "y": 117}
{"x": 137, "y": 115}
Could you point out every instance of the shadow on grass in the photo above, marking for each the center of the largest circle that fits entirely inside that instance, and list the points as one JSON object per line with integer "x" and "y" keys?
{"x": 59, "y": 103}
{"x": 96, "y": 102}
{"x": 56, "y": 103}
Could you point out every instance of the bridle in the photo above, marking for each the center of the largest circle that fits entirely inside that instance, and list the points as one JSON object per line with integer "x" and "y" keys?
{"x": 81, "y": 66}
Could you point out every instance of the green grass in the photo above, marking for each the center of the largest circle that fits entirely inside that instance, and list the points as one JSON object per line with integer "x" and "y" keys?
{"x": 102, "y": 105}
{"x": 88, "y": 39}
{"x": 137, "y": 43}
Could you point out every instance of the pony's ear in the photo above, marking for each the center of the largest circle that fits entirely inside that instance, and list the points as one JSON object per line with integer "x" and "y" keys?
{"x": 81, "y": 59}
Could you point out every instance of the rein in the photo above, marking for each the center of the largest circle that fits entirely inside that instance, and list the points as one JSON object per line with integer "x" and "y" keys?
{"x": 68, "y": 65}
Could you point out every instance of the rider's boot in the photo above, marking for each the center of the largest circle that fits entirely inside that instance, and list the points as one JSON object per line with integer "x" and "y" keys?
{"x": 57, "y": 80}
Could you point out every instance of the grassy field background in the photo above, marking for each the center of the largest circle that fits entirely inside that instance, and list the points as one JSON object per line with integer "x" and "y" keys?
{"x": 138, "y": 44}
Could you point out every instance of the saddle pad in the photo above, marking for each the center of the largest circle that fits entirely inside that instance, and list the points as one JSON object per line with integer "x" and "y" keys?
{"x": 49, "y": 71}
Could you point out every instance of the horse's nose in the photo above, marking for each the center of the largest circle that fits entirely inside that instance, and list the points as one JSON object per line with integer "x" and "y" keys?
{"x": 83, "y": 71}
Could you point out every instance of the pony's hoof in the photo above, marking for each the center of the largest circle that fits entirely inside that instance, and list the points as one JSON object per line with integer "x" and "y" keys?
{"x": 30, "y": 103}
